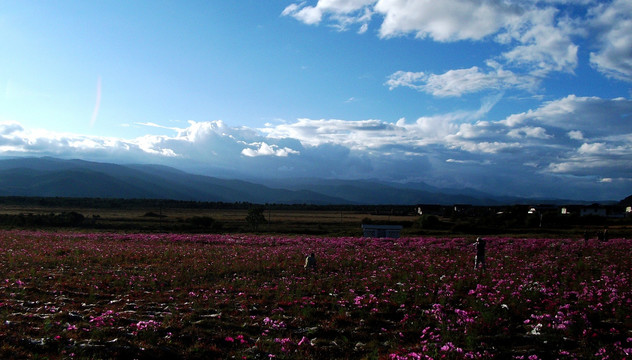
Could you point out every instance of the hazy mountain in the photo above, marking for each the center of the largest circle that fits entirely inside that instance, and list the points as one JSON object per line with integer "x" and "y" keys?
{"x": 78, "y": 178}
{"x": 375, "y": 192}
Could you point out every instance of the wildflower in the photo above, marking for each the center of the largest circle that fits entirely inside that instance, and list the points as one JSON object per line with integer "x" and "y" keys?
{"x": 303, "y": 341}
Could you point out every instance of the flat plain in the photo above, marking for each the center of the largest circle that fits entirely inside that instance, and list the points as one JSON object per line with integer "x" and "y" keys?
{"x": 124, "y": 295}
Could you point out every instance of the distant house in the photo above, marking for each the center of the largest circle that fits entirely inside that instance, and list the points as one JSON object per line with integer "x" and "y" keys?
{"x": 569, "y": 209}
{"x": 381, "y": 231}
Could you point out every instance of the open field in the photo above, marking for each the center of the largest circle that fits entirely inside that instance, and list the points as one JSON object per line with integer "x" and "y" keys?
{"x": 118, "y": 295}
{"x": 231, "y": 219}
{"x": 155, "y": 216}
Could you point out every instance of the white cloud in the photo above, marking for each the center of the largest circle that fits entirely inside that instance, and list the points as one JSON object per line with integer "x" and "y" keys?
{"x": 473, "y": 131}
{"x": 352, "y": 134}
{"x": 462, "y": 81}
{"x": 529, "y": 131}
{"x": 468, "y": 162}
{"x": 576, "y": 135}
{"x": 343, "y": 13}
{"x": 538, "y": 41}
{"x": 267, "y": 150}
{"x": 543, "y": 45}
{"x": 9, "y": 127}
{"x": 598, "y": 158}
{"x": 309, "y": 15}
{"x": 592, "y": 116}
{"x": 594, "y": 148}
{"x": 536, "y": 37}
{"x": 444, "y": 20}
{"x": 446, "y": 148}
{"x": 151, "y": 124}
{"x": 613, "y": 24}
{"x": 486, "y": 146}
{"x": 406, "y": 78}
{"x": 370, "y": 135}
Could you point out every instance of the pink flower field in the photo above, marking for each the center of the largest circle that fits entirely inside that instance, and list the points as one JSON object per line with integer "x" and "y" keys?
{"x": 148, "y": 296}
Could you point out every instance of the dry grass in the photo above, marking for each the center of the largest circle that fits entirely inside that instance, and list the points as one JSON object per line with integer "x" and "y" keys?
{"x": 283, "y": 221}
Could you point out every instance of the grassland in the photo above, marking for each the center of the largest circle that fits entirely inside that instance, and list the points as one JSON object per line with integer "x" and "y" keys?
{"x": 157, "y": 219}
{"x": 191, "y": 217}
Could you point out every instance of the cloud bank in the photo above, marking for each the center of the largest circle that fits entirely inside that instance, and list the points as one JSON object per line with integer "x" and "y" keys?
{"x": 534, "y": 38}
{"x": 565, "y": 147}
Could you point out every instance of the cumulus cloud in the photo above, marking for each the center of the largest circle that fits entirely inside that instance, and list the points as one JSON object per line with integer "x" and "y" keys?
{"x": 267, "y": 150}
{"x": 596, "y": 160}
{"x": 309, "y": 15}
{"x": 575, "y": 135}
{"x": 534, "y": 38}
{"x": 565, "y": 137}
{"x": 543, "y": 45}
{"x": 590, "y": 116}
{"x": 537, "y": 36}
{"x": 462, "y": 81}
{"x": 587, "y": 119}
{"x": 356, "y": 135}
{"x": 343, "y": 13}
{"x": 444, "y": 20}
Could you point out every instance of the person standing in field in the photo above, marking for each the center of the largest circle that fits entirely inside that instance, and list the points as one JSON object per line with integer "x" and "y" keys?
{"x": 310, "y": 262}
{"x": 480, "y": 253}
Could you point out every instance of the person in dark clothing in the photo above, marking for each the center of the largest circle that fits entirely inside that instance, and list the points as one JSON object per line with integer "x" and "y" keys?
{"x": 310, "y": 262}
{"x": 480, "y": 253}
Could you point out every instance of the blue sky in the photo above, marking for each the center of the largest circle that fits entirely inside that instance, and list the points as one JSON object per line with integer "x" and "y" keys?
{"x": 527, "y": 98}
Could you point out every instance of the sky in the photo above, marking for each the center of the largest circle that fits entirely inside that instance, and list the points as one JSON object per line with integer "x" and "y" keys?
{"x": 525, "y": 98}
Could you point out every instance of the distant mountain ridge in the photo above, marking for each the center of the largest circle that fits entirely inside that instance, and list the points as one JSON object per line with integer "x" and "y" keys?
{"x": 51, "y": 177}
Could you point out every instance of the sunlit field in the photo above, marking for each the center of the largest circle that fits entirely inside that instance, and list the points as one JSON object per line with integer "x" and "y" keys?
{"x": 78, "y": 295}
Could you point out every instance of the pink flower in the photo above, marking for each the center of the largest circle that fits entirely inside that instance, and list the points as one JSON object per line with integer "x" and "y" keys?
{"x": 304, "y": 340}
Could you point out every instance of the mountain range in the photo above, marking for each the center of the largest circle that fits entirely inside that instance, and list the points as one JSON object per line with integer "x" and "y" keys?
{"x": 52, "y": 177}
